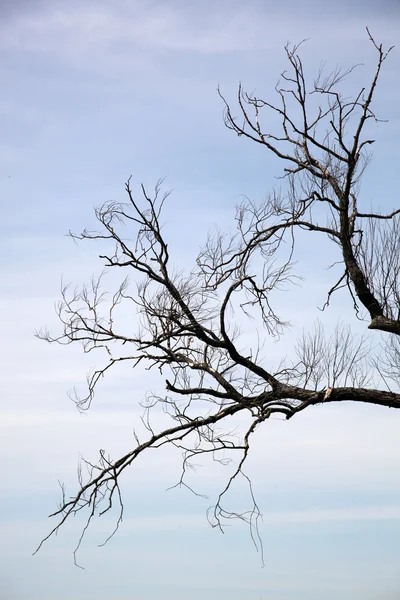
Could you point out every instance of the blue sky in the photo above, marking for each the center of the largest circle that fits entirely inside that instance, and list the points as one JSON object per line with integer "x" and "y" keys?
{"x": 93, "y": 92}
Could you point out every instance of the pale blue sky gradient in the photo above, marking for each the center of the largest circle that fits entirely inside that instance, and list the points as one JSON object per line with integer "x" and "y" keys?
{"x": 93, "y": 92}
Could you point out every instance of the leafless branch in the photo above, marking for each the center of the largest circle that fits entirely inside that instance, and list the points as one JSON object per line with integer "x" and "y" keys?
{"x": 184, "y": 323}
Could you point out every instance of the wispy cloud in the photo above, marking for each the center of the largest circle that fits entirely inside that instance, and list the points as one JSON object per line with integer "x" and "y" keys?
{"x": 188, "y": 522}
{"x": 83, "y": 31}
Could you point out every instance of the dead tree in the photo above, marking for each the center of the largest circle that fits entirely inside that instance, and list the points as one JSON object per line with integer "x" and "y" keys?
{"x": 184, "y": 325}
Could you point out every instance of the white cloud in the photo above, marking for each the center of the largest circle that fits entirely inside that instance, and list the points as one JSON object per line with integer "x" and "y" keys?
{"x": 196, "y": 522}
{"x": 321, "y": 515}
{"x": 131, "y": 33}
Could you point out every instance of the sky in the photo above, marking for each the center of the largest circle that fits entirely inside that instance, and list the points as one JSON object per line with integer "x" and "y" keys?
{"x": 93, "y": 92}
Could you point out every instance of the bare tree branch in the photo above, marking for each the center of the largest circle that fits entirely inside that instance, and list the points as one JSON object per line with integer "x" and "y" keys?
{"x": 185, "y": 322}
